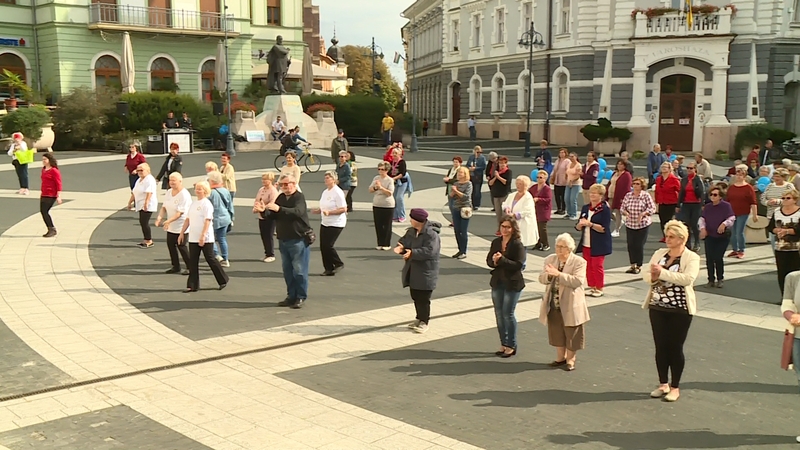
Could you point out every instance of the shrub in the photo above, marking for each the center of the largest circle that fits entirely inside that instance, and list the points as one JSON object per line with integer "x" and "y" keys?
{"x": 758, "y": 133}
{"x": 28, "y": 121}
{"x": 604, "y": 130}
{"x": 242, "y": 106}
{"x": 319, "y": 107}
{"x": 358, "y": 114}
{"x": 81, "y": 117}
{"x": 147, "y": 111}
{"x": 638, "y": 154}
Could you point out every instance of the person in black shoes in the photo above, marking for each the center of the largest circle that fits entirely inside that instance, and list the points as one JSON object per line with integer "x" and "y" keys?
{"x": 420, "y": 248}
{"x": 294, "y": 238}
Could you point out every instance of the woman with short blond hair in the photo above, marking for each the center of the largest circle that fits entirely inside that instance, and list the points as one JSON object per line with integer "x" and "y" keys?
{"x": 382, "y": 190}
{"x": 522, "y": 207}
{"x": 594, "y": 223}
{"x": 333, "y": 209}
{"x": 266, "y": 223}
{"x": 460, "y": 194}
{"x": 671, "y": 303}
{"x": 145, "y": 201}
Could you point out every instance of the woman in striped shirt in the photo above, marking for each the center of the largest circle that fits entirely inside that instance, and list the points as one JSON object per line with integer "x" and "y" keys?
{"x": 771, "y": 198}
{"x": 637, "y": 207}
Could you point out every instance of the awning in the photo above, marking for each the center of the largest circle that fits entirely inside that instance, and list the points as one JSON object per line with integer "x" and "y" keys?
{"x": 295, "y": 72}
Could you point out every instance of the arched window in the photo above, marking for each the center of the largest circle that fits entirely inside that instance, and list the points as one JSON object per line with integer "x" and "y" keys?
{"x": 207, "y": 79}
{"x": 498, "y": 94}
{"x": 162, "y": 75}
{"x": 475, "y": 95}
{"x": 107, "y": 72}
{"x": 561, "y": 91}
{"x": 524, "y": 94}
{"x": 14, "y": 64}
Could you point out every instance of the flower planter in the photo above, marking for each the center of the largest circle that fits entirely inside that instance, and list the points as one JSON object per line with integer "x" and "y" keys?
{"x": 46, "y": 141}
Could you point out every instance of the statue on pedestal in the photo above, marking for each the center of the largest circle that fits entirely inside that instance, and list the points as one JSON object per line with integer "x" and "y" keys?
{"x": 278, "y": 60}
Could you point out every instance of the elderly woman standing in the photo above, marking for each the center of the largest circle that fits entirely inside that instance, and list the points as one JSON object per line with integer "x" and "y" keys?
{"x": 420, "y": 248}
{"x": 715, "y": 224}
{"x": 144, "y": 200}
{"x": 773, "y": 194}
{"x": 224, "y": 215}
{"x": 618, "y": 187}
{"x": 176, "y": 205}
{"x": 291, "y": 168}
{"x": 333, "y": 208}
{"x": 200, "y": 234}
{"x": 461, "y": 200}
{"x": 228, "y": 174}
{"x": 667, "y": 188}
{"x": 521, "y": 206}
{"x": 672, "y": 304}
{"x": 20, "y": 158}
{"x": 574, "y": 172}
{"x": 637, "y": 207}
{"x": 351, "y": 161}
{"x": 506, "y": 257}
{"x": 542, "y": 198}
{"x": 266, "y": 222}
{"x": 344, "y": 174}
{"x": 499, "y": 187}
{"x": 595, "y": 244}
{"x": 742, "y": 198}
{"x": 563, "y": 309}
{"x": 785, "y": 226}
{"x": 398, "y": 173}
{"x": 382, "y": 189}
{"x": 559, "y": 180}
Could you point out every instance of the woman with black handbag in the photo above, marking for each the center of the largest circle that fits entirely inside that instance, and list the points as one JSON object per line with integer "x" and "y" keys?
{"x": 784, "y": 225}
{"x": 715, "y": 225}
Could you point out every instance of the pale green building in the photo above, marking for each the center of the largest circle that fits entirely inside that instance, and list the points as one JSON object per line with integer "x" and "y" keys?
{"x": 58, "y": 46}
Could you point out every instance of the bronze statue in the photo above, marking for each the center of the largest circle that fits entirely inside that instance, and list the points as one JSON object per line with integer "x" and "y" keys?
{"x": 278, "y": 60}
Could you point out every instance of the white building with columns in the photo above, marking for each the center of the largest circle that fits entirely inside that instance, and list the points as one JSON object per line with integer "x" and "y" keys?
{"x": 638, "y": 63}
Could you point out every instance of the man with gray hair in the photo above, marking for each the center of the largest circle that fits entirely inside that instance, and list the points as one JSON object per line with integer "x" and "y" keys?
{"x": 295, "y": 235}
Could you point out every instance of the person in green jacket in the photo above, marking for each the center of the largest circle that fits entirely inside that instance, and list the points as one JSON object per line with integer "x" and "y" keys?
{"x": 339, "y": 144}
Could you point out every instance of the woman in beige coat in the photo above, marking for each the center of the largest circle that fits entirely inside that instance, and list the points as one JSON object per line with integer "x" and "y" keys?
{"x": 563, "y": 308}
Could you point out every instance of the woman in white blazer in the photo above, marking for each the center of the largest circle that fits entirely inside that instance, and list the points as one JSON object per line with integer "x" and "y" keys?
{"x": 520, "y": 205}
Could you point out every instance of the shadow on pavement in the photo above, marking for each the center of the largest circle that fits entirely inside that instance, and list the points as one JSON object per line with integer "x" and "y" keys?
{"x": 664, "y": 440}
{"x": 532, "y": 399}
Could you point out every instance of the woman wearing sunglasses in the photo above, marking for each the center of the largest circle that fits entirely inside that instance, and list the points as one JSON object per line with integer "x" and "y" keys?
{"x": 784, "y": 225}
{"x": 715, "y": 229}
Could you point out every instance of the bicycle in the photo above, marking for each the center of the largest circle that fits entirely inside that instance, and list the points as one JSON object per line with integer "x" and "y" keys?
{"x": 311, "y": 161}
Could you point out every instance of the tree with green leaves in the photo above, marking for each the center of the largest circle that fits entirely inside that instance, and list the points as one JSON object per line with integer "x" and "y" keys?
{"x": 359, "y": 68}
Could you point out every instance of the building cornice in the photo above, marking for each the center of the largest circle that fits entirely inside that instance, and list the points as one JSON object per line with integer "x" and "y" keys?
{"x": 478, "y": 5}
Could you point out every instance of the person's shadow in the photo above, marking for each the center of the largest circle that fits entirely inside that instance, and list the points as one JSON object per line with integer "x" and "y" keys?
{"x": 532, "y": 399}
{"x": 665, "y": 440}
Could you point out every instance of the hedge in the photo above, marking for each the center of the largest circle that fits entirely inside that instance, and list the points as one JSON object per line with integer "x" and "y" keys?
{"x": 357, "y": 114}
{"x": 758, "y": 134}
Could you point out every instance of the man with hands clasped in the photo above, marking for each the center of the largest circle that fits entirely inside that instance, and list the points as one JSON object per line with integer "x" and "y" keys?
{"x": 420, "y": 248}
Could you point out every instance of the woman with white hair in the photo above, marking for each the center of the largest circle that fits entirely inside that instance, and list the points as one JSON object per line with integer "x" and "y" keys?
{"x": 145, "y": 201}
{"x": 224, "y": 215}
{"x": 200, "y": 234}
{"x": 523, "y": 208}
{"x": 671, "y": 302}
{"x": 176, "y": 205}
{"x": 266, "y": 221}
{"x": 333, "y": 209}
{"x": 563, "y": 310}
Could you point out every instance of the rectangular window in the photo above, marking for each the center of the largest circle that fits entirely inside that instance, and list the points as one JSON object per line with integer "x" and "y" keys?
{"x": 500, "y": 27}
{"x": 456, "y": 36}
{"x": 274, "y": 12}
{"x": 527, "y": 16}
{"x": 476, "y": 30}
{"x": 565, "y": 16}
{"x": 797, "y": 11}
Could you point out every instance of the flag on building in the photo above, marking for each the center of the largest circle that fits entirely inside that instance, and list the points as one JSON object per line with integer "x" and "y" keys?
{"x": 397, "y": 58}
{"x": 689, "y": 15}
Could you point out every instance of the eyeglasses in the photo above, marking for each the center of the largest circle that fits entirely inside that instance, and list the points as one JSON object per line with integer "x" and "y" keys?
{"x": 690, "y": 168}
{"x": 787, "y": 198}
{"x": 713, "y": 195}
{"x": 381, "y": 169}
{"x": 287, "y": 183}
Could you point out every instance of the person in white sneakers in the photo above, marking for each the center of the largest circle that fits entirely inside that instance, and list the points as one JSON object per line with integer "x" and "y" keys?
{"x": 420, "y": 248}
{"x": 176, "y": 205}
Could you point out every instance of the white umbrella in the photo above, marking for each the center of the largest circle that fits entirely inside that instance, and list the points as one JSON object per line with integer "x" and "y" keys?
{"x": 128, "y": 72}
{"x": 220, "y": 69}
{"x": 307, "y": 74}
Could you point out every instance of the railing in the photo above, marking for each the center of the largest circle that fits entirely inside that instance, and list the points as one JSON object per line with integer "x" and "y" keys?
{"x": 160, "y": 18}
{"x": 676, "y": 24}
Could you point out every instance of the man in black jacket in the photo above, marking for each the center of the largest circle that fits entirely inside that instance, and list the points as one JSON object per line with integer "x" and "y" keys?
{"x": 173, "y": 163}
{"x": 295, "y": 235}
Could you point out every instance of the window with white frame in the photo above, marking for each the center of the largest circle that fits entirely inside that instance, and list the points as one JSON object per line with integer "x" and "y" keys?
{"x": 527, "y": 16}
{"x": 500, "y": 25}
{"x": 498, "y": 94}
{"x": 796, "y": 11}
{"x": 455, "y": 35}
{"x": 561, "y": 92}
{"x": 524, "y": 94}
{"x": 476, "y": 30}
{"x": 565, "y": 17}
{"x": 475, "y": 95}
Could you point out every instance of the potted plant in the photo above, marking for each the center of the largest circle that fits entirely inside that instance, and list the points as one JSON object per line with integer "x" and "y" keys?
{"x": 606, "y": 138}
{"x": 15, "y": 84}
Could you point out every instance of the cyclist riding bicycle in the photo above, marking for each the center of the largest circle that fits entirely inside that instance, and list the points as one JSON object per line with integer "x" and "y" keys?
{"x": 291, "y": 141}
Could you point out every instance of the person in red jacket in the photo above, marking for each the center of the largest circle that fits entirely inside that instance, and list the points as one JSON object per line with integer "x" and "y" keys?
{"x": 51, "y": 191}
{"x": 668, "y": 186}
{"x": 753, "y": 156}
{"x": 132, "y": 161}
{"x": 619, "y": 185}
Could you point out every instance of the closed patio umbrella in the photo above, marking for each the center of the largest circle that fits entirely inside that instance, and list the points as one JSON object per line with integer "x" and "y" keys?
{"x": 307, "y": 75}
{"x": 128, "y": 72}
{"x": 220, "y": 69}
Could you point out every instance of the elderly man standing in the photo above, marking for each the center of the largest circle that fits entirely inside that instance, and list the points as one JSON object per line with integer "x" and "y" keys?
{"x": 703, "y": 167}
{"x": 295, "y": 235}
{"x": 420, "y": 248}
{"x": 338, "y": 146}
{"x": 654, "y": 161}
{"x": 476, "y": 163}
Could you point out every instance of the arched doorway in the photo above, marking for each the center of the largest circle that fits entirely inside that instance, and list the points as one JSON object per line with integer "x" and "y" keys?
{"x": 13, "y": 64}
{"x": 791, "y": 96}
{"x": 676, "y": 117}
{"x": 455, "y": 105}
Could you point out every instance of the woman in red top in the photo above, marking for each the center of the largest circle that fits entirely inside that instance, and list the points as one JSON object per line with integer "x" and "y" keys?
{"x": 619, "y": 186}
{"x": 742, "y": 198}
{"x": 667, "y": 188}
{"x": 51, "y": 191}
{"x": 132, "y": 161}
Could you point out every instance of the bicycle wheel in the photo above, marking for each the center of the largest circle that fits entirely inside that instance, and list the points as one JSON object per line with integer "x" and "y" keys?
{"x": 313, "y": 163}
{"x": 280, "y": 161}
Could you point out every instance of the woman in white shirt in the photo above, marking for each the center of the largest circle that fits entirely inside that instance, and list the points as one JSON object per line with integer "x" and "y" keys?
{"x": 144, "y": 200}
{"x": 291, "y": 168}
{"x": 201, "y": 239}
{"x": 521, "y": 206}
{"x": 333, "y": 208}
{"x": 176, "y": 205}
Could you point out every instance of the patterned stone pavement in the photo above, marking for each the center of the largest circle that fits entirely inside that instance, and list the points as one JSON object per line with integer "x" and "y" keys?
{"x": 101, "y": 350}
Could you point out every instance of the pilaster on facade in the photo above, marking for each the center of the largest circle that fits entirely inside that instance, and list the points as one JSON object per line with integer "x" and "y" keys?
{"x": 586, "y": 21}
{"x": 622, "y": 25}
{"x": 604, "y": 19}
{"x": 754, "y": 110}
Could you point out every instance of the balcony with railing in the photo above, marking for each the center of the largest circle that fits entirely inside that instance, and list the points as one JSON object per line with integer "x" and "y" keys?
{"x": 104, "y": 16}
{"x": 658, "y": 23}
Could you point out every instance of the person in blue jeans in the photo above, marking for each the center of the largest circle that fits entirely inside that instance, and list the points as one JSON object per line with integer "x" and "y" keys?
{"x": 461, "y": 197}
{"x": 290, "y": 213}
{"x": 398, "y": 172}
{"x": 222, "y": 201}
{"x": 506, "y": 257}
{"x": 476, "y": 164}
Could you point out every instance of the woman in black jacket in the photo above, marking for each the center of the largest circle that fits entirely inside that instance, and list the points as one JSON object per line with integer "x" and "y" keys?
{"x": 506, "y": 258}
{"x": 172, "y": 164}
{"x": 500, "y": 186}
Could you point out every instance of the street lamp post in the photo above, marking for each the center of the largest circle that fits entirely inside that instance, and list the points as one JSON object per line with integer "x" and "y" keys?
{"x": 529, "y": 40}
{"x": 413, "y": 76}
{"x": 230, "y": 148}
{"x": 374, "y": 55}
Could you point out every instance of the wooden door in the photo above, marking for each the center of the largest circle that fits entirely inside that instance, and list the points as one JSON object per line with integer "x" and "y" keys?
{"x": 456, "y": 107}
{"x": 676, "y": 117}
{"x": 160, "y": 13}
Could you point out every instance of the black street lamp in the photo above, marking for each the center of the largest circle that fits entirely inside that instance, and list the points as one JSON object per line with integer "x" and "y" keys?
{"x": 373, "y": 55}
{"x": 529, "y": 40}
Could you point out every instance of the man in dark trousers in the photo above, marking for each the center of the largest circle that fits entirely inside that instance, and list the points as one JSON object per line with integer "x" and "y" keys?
{"x": 173, "y": 163}
{"x": 290, "y": 213}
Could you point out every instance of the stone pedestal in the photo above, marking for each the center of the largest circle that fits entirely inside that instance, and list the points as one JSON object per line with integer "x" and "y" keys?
{"x": 640, "y": 139}
{"x": 716, "y": 138}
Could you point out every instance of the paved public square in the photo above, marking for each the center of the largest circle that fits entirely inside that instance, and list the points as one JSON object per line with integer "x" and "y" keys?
{"x": 102, "y": 350}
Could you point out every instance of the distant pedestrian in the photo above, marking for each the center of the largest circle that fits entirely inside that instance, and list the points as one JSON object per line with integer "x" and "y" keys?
{"x": 51, "y": 191}
{"x": 144, "y": 200}
{"x": 544, "y": 160}
{"x": 589, "y": 177}
{"x": 476, "y": 163}
{"x": 201, "y": 239}
{"x": 351, "y": 161}
{"x": 387, "y": 124}
{"x": 266, "y": 220}
{"x": 574, "y": 172}
{"x": 228, "y": 174}
{"x": 174, "y": 211}
{"x": 542, "y": 198}
{"x": 654, "y": 161}
{"x": 333, "y": 209}
{"x": 382, "y": 190}
{"x": 21, "y": 156}
{"x": 473, "y": 133}
{"x": 420, "y": 248}
{"x": 344, "y": 174}
{"x": 507, "y": 258}
{"x": 173, "y": 163}
{"x": 132, "y": 161}
{"x": 425, "y": 127}
{"x": 715, "y": 224}
{"x": 338, "y": 145}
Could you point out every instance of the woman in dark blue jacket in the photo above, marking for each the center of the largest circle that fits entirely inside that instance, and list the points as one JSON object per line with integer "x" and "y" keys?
{"x": 594, "y": 223}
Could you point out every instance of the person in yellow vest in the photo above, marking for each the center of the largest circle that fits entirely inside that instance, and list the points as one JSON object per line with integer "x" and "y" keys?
{"x": 21, "y": 156}
{"x": 387, "y": 124}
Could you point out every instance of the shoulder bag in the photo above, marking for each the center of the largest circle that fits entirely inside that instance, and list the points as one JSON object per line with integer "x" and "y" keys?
{"x": 786, "y": 350}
